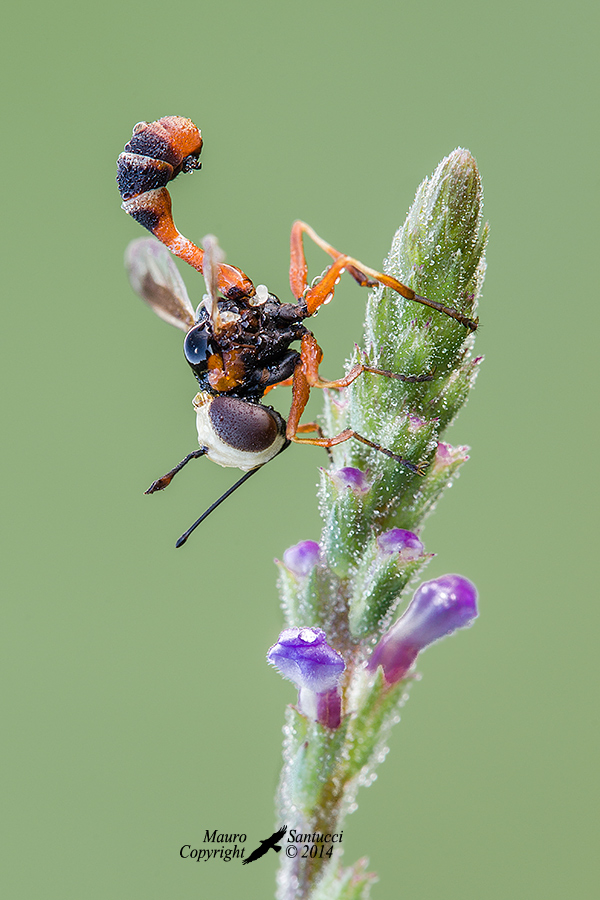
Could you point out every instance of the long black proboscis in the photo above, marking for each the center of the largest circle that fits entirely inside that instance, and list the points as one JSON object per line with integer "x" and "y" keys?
{"x": 218, "y": 502}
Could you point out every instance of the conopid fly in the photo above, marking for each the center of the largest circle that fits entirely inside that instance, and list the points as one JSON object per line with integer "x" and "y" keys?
{"x": 238, "y": 340}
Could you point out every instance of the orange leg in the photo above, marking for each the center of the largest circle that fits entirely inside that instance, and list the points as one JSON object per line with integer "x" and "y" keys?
{"x": 359, "y": 368}
{"x": 298, "y": 267}
{"x": 416, "y": 468}
{"x": 311, "y": 356}
{"x": 308, "y": 427}
{"x": 306, "y": 376}
{"x": 287, "y": 382}
{"x": 322, "y": 292}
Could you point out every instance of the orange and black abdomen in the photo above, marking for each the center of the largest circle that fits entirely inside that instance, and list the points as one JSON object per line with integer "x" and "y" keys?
{"x": 157, "y": 153}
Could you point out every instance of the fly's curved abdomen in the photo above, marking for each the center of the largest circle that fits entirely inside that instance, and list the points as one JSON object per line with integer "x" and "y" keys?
{"x": 156, "y": 154}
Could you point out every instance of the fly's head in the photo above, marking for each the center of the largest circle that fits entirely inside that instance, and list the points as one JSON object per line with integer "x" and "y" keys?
{"x": 240, "y": 343}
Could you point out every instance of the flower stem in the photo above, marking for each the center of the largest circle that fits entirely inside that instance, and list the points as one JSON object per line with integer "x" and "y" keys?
{"x": 352, "y": 583}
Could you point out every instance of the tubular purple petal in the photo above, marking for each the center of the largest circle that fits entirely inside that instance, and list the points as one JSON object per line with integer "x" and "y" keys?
{"x": 438, "y": 608}
{"x": 325, "y": 708}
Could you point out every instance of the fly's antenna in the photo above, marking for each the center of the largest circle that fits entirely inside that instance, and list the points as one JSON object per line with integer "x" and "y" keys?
{"x": 218, "y": 502}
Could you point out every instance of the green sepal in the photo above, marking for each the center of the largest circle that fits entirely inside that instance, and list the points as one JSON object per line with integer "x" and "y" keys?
{"x": 391, "y": 480}
{"x": 453, "y": 392}
{"x": 346, "y": 525}
{"x": 377, "y": 586}
{"x": 314, "y": 763}
{"x": 439, "y": 476}
{"x": 304, "y": 599}
{"x": 369, "y": 727}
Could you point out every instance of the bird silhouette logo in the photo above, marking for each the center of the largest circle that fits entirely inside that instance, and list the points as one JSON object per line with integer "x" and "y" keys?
{"x": 271, "y": 843}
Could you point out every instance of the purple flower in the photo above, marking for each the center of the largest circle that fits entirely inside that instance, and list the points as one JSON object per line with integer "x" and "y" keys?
{"x": 397, "y": 540}
{"x": 438, "y": 608}
{"x": 302, "y": 558}
{"x": 355, "y": 479}
{"x": 303, "y": 656}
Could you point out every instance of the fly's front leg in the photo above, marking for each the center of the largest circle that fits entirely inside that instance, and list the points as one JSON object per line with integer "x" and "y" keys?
{"x": 287, "y": 383}
{"x": 298, "y": 266}
{"x": 307, "y": 427}
{"x": 359, "y": 368}
{"x": 323, "y": 291}
{"x": 161, "y": 483}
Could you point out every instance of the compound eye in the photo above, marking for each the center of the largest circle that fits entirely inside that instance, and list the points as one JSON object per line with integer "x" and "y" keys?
{"x": 195, "y": 348}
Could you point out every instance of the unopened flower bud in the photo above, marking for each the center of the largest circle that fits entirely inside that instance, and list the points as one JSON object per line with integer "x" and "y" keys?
{"x": 353, "y": 478}
{"x": 302, "y": 558}
{"x": 397, "y": 540}
{"x": 415, "y": 422}
{"x": 438, "y": 608}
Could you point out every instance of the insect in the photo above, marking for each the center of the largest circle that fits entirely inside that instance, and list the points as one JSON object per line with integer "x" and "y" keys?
{"x": 238, "y": 340}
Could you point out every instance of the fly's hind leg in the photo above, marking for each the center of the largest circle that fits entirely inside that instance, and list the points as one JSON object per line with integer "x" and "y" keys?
{"x": 307, "y": 376}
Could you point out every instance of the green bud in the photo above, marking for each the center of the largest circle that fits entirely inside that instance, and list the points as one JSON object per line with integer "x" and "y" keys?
{"x": 302, "y": 599}
{"x": 378, "y": 584}
{"x": 346, "y": 525}
{"x": 377, "y": 710}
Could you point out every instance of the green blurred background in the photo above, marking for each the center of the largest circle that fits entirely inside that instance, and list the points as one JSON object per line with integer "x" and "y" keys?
{"x": 138, "y": 710}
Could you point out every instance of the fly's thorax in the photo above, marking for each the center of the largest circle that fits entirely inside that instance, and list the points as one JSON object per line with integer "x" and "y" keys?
{"x": 238, "y": 433}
